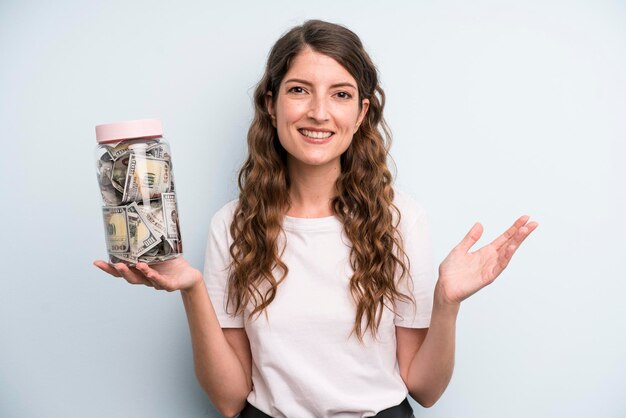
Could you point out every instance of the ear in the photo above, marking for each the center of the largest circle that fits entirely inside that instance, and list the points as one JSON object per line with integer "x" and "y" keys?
{"x": 269, "y": 105}
{"x": 365, "y": 105}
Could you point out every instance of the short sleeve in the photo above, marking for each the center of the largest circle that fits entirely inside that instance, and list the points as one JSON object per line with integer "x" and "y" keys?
{"x": 216, "y": 261}
{"x": 415, "y": 232}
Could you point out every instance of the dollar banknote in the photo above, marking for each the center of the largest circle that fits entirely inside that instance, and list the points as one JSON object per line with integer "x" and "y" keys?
{"x": 146, "y": 178}
{"x": 142, "y": 237}
{"x": 158, "y": 151}
{"x": 119, "y": 168}
{"x": 170, "y": 216}
{"x": 119, "y": 150}
{"x": 130, "y": 172}
{"x": 153, "y": 213}
{"x": 116, "y": 229}
{"x": 110, "y": 195}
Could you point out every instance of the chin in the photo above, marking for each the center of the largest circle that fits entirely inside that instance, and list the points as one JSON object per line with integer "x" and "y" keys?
{"x": 314, "y": 162}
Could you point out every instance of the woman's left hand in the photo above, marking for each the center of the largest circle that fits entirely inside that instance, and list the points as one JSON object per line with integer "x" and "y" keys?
{"x": 462, "y": 273}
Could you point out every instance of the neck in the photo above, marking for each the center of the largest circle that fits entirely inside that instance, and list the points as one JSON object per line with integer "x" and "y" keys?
{"x": 312, "y": 188}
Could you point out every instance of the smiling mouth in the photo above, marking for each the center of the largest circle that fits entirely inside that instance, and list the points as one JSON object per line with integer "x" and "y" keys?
{"x": 316, "y": 134}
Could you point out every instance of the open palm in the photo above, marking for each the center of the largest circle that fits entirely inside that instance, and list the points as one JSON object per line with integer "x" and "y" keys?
{"x": 170, "y": 275}
{"x": 463, "y": 273}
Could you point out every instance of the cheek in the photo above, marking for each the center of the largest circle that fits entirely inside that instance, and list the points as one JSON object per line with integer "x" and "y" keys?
{"x": 289, "y": 112}
{"x": 349, "y": 120}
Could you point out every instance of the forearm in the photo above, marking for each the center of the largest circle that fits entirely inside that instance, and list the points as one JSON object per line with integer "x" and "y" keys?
{"x": 431, "y": 369}
{"x": 217, "y": 367}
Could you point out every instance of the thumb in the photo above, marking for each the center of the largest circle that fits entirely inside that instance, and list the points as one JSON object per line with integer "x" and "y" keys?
{"x": 470, "y": 239}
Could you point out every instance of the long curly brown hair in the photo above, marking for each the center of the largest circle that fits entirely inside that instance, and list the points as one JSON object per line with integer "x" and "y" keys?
{"x": 364, "y": 200}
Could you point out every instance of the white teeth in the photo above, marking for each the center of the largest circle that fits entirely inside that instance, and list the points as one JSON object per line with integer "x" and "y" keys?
{"x": 315, "y": 134}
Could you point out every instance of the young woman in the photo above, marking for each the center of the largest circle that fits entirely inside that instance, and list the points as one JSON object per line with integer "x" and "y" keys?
{"x": 322, "y": 300}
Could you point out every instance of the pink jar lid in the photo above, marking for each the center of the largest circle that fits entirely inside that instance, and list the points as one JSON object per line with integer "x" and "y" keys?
{"x": 130, "y": 129}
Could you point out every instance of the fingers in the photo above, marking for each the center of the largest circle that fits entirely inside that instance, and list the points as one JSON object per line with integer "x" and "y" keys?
{"x": 518, "y": 236}
{"x": 140, "y": 274}
{"x": 107, "y": 268}
{"x": 514, "y": 243}
{"x": 131, "y": 275}
{"x": 525, "y": 231}
{"x": 154, "y": 277}
{"x": 509, "y": 233}
{"x": 515, "y": 235}
{"x": 470, "y": 239}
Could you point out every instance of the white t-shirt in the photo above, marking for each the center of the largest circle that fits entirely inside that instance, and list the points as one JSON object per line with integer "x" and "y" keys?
{"x": 305, "y": 363}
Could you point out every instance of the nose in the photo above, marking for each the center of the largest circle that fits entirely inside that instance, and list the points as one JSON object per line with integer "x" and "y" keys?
{"x": 318, "y": 109}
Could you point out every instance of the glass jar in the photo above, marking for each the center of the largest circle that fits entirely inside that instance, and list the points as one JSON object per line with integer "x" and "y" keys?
{"x": 134, "y": 170}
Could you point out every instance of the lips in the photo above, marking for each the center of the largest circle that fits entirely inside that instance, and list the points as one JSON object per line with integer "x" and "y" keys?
{"x": 316, "y": 136}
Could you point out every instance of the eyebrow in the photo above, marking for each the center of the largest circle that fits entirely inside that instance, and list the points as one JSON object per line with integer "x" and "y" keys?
{"x": 301, "y": 81}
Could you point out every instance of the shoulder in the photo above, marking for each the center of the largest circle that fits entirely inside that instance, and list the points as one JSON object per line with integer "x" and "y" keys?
{"x": 225, "y": 214}
{"x": 222, "y": 219}
{"x": 220, "y": 238}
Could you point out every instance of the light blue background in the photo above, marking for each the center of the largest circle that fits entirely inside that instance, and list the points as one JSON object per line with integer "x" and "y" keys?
{"x": 498, "y": 108}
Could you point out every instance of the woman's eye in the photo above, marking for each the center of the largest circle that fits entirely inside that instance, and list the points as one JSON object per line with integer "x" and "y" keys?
{"x": 344, "y": 95}
{"x": 296, "y": 90}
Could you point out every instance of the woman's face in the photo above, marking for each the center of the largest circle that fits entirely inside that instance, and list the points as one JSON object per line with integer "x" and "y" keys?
{"x": 317, "y": 110}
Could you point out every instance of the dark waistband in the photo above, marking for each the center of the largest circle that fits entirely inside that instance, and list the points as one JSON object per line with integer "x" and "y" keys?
{"x": 403, "y": 410}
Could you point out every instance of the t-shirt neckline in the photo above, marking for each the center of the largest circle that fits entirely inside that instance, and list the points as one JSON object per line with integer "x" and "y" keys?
{"x": 325, "y": 223}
